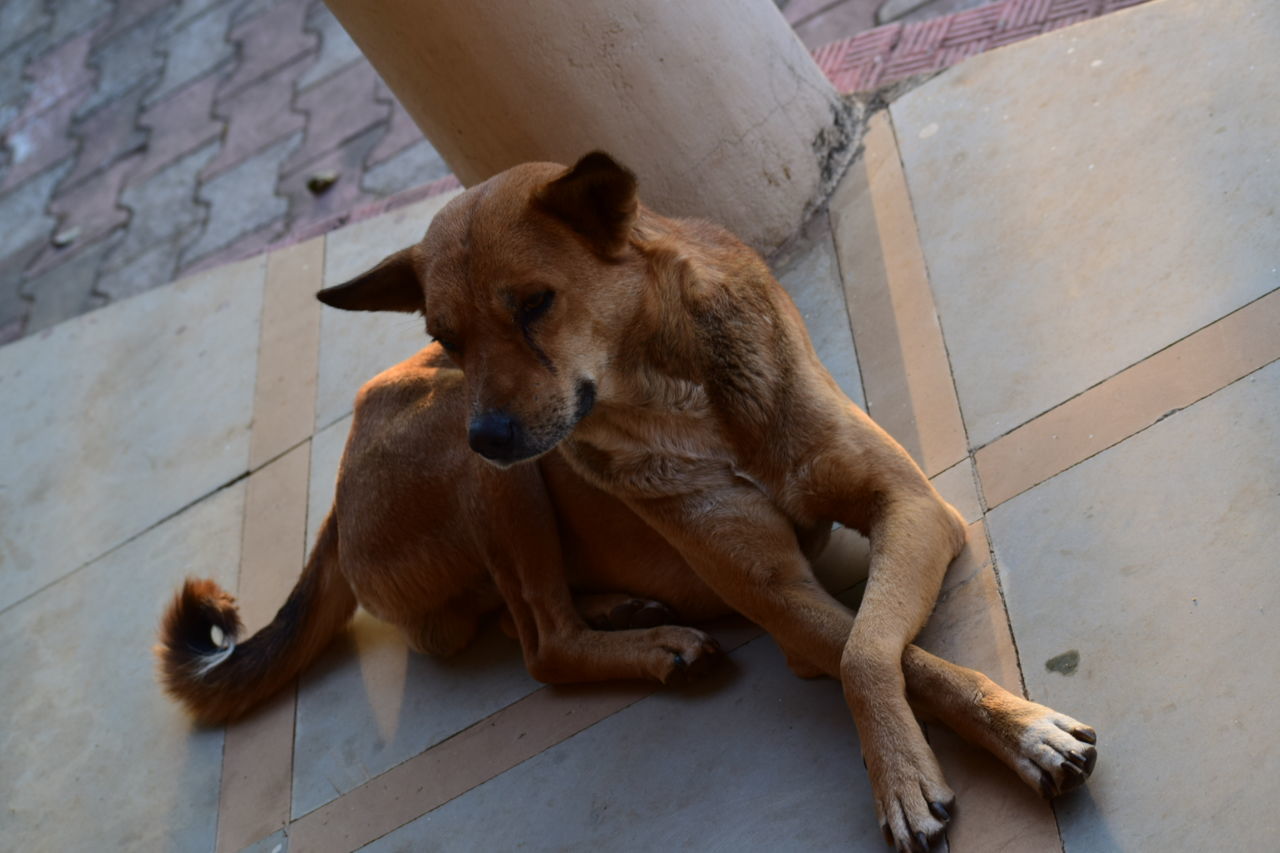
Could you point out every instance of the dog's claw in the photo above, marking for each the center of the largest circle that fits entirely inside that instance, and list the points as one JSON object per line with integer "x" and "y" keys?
{"x": 940, "y": 812}
{"x": 923, "y": 842}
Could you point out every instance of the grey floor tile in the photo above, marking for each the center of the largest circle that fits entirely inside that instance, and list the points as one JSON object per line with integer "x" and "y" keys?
{"x": 812, "y": 276}
{"x": 1088, "y": 197}
{"x": 119, "y": 418}
{"x": 95, "y": 757}
{"x": 371, "y": 703}
{"x": 1143, "y": 594}
{"x": 751, "y": 759}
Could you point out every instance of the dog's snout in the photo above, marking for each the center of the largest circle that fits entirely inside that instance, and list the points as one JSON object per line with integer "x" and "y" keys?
{"x": 494, "y": 435}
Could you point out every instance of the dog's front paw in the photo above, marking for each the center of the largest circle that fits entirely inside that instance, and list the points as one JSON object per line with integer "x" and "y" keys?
{"x": 913, "y": 803}
{"x": 678, "y": 654}
{"x": 1058, "y": 753}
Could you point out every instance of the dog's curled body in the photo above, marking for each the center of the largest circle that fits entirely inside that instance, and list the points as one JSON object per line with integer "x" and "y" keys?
{"x": 654, "y": 424}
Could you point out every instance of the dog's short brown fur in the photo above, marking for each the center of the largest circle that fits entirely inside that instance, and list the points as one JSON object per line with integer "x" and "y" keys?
{"x": 681, "y": 443}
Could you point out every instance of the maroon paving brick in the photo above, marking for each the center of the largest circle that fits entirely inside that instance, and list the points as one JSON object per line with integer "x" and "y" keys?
{"x": 179, "y": 124}
{"x": 922, "y": 37}
{"x": 40, "y": 141}
{"x": 401, "y": 131}
{"x": 268, "y": 41}
{"x": 60, "y": 72}
{"x": 338, "y": 108}
{"x": 257, "y": 117}
{"x": 107, "y": 134}
{"x": 92, "y": 208}
{"x": 305, "y": 207}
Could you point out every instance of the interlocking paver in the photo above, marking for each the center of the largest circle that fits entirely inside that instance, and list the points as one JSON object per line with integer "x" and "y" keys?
{"x": 257, "y": 117}
{"x": 14, "y": 306}
{"x": 129, "y": 13}
{"x": 414, "y": 165}
{"x": 57, "y": 73}
{"x": 72, "y": 17}
{"x": 337, "y": 109}
{"x": 23, "y": 211}
{"x": 267, "y": 41}
{"x": 66, "y": 290}
{"x": 130, "y": 59}
{"x": 401, "y": 133}
{"x": 248, "y": 245}
{"x": 345, "y": 194}
{"x": 38, "y": 142}
{"x": 178, "y": 124}
{"x": 164, "y": 211}
{"x": 106, "y": 135}
{"x": 336, "y": 47}
{"x": 90, "y": 210}
{"x": 157, "y": 265}
{"x": 242, "y": 200}
{"x": 195, "y": 47}
{"x": 19, "y": 19}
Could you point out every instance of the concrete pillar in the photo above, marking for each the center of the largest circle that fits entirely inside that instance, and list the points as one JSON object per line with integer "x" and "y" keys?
{"x": 715, "y": 104}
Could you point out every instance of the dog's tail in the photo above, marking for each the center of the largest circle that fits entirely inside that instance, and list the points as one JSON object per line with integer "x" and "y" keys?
{"x": 219, "y": 679}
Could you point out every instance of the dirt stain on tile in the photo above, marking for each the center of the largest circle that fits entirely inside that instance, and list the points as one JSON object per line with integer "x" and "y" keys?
{"x": 1064, "y": 664}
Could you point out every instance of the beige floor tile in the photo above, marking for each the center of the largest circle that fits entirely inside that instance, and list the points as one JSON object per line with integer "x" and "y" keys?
{"x": 119, "y": 418}
{"x": 750, "y": 759}
{"x": 959, "y": 487}
{"x": 1087, "y": 197}
{"x": 285, "y": 393}
{"x": 1132, "y": 400}
{"x": 902, "y": 357}
{"x": 1152, "y": 565}
{"x": 95, "y": 757}
{"x": 811, "y": 274}
{"x": 326, "y": 453}
{"x": 357, "y": 345}
{"x": 258, "y": 755}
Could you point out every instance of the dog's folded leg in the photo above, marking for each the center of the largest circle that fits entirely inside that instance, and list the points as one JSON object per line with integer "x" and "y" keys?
{"x": 616, "y": 611}
{"x": 527, "y": 566}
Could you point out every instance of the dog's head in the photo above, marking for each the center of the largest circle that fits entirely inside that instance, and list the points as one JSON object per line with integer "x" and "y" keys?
{"x": 527, "y": 281}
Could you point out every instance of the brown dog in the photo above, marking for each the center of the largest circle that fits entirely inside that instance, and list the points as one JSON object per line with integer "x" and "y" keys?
{"x": 681, "y": 443}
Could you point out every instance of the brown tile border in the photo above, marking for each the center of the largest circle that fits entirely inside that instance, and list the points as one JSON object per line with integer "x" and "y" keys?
{"x": 288, "y": 353}
{"x": 906, "y": 373}
{"x": 1137, "y": 397}
{"x": 257, "y": 760}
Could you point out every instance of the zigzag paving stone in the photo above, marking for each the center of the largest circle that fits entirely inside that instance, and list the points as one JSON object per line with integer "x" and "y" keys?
{"x": 242, "y": 200}
{"x": 178, "y": 124}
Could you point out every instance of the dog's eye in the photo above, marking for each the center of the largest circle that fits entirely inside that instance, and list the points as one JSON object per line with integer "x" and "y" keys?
{"x": 536, "y": 305}
{"x": 449, "y": 344}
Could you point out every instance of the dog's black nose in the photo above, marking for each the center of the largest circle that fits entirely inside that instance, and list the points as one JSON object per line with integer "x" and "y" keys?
{"x": 493, "y": 435}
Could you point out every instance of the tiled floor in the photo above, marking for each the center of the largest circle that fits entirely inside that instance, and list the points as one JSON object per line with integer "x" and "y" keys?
{"x": 1109, "y": 437}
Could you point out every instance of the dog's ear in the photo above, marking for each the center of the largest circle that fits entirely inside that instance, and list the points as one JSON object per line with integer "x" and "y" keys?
{"x": 390, "y": 286}
{"x": 597, "y": 198}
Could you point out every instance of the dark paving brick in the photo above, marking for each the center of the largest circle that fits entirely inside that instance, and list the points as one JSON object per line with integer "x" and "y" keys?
{"x": 66, "y": 290}
{"x": 22, "y": 210}
{"x": 415, "y": 165}
{"x": 195, "y": 47}
{"x": 242, "y": 201}
{"x": 251, "y": 243}
{"x": 401, "y": 133}
{"x": 130, "y": 13}
{"x": 267, "y": 41}
{"x": 128, "y": 60}
{"x": 338, "y": 108}
{"x": 14, "y": 307}
{"x": 156, "y": 266}
{"x": 257, "y": 117}
{"x": 306, "y": 208}
{"x": 179, "y": 124}
{"x": 188, "y": 9}
{"x": 336, "y": 47}
{"x": 106, "y": 135}
{"x": 163, "y": 210}
{"x": 73, "y": 17}
{"x": 19, "y": 20}
{"x": 40, "y": 141}
{"x": 91, "y": 210}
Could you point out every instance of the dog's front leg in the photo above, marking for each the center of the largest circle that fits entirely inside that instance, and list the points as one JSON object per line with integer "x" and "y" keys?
{"x": 527, "y": 566}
